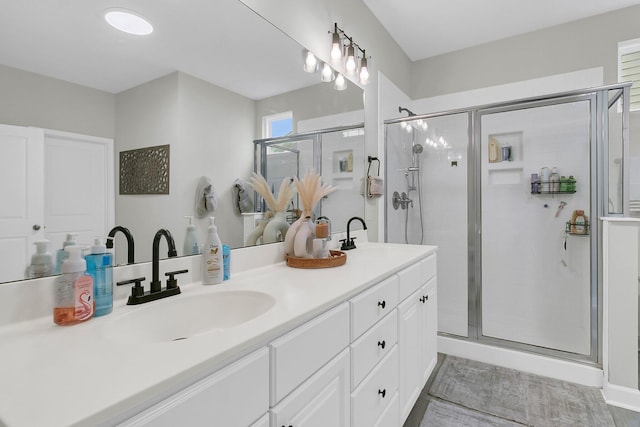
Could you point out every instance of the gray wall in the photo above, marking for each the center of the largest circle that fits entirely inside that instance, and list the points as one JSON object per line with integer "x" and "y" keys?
{"x": 314, "y": 101}
{"x": 210, "y": 130}
{"x": 587, "y": 43}
{"x": 30, "y": 99}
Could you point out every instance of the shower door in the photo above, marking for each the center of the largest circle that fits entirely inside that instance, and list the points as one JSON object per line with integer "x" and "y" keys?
{"x": 427, "y": 166}
{"x": 536, "y": 286}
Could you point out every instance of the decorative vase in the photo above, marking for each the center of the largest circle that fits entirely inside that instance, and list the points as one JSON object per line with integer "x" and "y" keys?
{"x": 276, "y": 229}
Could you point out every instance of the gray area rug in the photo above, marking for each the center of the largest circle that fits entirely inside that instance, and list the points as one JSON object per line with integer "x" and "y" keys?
{"x": 513, "y": 395}
{"x": 444, "y": 414}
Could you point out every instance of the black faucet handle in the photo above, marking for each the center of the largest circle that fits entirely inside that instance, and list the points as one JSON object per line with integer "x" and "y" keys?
{"x": 172, "y": 282}
{"x": 348, "y": 244}
{"x": 137, "y": 290}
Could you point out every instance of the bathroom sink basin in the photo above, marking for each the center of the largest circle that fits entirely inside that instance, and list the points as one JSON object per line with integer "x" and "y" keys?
{"x": 183, "y": 317}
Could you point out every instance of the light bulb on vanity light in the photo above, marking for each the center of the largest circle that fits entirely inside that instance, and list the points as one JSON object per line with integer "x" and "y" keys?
{"x": 364, "y": 71}
{"x": 340, "y": 83}
{"x": 336, "y": 46}
{"x": 310, "y": 63}
{"x": 327, "y": 73}
{"x": 350, "y": 63}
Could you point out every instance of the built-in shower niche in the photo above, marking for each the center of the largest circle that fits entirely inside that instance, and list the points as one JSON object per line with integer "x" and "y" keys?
{"x": 504, "y": 158}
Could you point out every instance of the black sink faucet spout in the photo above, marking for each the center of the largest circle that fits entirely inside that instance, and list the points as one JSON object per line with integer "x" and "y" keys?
{"x": 156, "y": 284}
{"x": 348, "y": 243}
{"x": 130, "y": 244}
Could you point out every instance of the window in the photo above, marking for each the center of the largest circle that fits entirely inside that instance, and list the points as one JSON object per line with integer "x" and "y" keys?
{"x": 276, "y": 125}
{"x": 629, "y": 69}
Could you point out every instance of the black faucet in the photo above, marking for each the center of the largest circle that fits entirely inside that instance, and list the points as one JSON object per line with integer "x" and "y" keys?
{"x": 348, "y": 243}
{"x": 156, "y": 284}
{"x": 138, "y": 295}
{"x": 130, "y": 244}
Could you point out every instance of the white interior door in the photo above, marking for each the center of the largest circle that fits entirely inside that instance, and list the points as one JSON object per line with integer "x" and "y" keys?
{"x": 78, "y": 186}
{"x": 21, "y": 213}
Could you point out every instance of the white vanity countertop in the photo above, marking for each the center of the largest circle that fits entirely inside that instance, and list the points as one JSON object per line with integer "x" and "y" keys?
{"x": 76, "y": 375}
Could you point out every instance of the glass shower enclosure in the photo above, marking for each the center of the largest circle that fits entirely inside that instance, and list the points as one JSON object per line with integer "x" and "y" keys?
{"x": 337, "y": 154}
{"x": 511, "y": 193}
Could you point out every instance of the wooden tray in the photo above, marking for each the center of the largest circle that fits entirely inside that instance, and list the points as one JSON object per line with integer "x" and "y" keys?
{"x": 336, "y": 258}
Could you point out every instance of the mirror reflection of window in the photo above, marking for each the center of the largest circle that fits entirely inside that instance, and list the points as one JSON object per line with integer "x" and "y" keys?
{"x": 276, "y": 125}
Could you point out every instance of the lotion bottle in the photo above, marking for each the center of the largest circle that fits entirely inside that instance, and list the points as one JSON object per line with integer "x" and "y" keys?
{"x": 213, "y": 270}
{"x": 73, "y": 299}
{"x": 100, "y": 268}
{"x": 191, "y": 246}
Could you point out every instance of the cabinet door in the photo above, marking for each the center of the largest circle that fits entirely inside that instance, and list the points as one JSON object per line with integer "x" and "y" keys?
{"x": 321, "y": 401}
{"x": 429, "y": 325}
{"x": 237, "y": 395}
{"x": 409, "y": 342}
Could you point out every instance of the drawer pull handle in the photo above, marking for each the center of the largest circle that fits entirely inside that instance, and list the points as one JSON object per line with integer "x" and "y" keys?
{"x": 382, "y": 303}
{"x": 382, "y": 392}
{"x": 424, "y": 299}
{"x": 381, "y": 344}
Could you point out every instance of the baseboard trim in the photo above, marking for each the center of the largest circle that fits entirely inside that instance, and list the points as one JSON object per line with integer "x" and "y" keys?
{"x": 623, "y": 397}
{"x": 526, "y": 362}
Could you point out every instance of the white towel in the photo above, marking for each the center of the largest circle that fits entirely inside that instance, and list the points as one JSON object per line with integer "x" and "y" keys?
{"x": 242, "y": 203}
{"x": 206, "y": 200}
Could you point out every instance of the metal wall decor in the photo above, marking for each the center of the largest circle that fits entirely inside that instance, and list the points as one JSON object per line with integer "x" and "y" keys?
{"x": 145, "y": 170}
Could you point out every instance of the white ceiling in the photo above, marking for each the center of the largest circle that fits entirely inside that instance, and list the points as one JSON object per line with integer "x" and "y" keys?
{"x": 227, "y": 44}
{"x": 425, "y": 28}
{"x": 220, "y": 41}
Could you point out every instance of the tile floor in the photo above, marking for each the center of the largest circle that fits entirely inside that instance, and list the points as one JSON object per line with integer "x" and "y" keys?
{"x": 447, "y": 411}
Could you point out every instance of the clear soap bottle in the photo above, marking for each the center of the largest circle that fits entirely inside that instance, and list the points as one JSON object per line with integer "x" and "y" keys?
{"x": 191, "y": 246}
{"x": 61, "y": 254}
{"x": 41, "y": 261}
{"x": 73, "y": 299}
{"x": 100, "y": 268}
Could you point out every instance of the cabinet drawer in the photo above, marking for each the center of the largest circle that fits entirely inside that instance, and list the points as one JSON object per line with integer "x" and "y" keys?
{"x": 372, "y": 397}
{"x": 390, "y": 416}
{"x": 236, "y": 395}
{"x": 301, "y": 352}
{"x": 372, "y": 305}
{"x": 409, "y": 280}
{"x": 371, "y": 347}
{"x": 322, "y": 400}
{"x": 428, "y": 266}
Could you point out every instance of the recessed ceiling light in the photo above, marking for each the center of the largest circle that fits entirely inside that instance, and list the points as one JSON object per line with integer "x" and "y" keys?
{"x": 128, "y": 21}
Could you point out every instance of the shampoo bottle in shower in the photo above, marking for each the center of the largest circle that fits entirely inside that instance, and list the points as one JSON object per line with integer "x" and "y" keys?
{"x": 73, "y": 299}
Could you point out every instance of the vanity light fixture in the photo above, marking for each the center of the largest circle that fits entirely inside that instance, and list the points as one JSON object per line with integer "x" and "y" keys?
{"x": 128, "y": 21}
{"x": 342, "y": 45}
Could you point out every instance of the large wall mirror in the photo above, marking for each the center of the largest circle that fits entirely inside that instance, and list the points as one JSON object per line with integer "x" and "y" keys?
{"x": 201, "y": 84}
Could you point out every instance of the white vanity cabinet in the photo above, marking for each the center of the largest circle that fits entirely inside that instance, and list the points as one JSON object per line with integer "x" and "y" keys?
{"x": 310, "y": 372}
{"x": 417, "y": 331}
{"x": 236, "y": 395}
{"x": 361, "y": 363}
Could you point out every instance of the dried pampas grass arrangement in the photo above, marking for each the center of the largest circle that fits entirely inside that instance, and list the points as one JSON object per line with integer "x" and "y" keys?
{"x": 285, "y": 194}
{"x": 311, "y": 190}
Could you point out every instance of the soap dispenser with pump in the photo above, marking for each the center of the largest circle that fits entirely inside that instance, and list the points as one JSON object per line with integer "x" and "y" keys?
{"x": 73, "y": 295}
{"x": 41, "y": 261}
{"x": 191, "y": 246}
{"x": 100, "y": 268}
{"x": 61, "y": 254}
